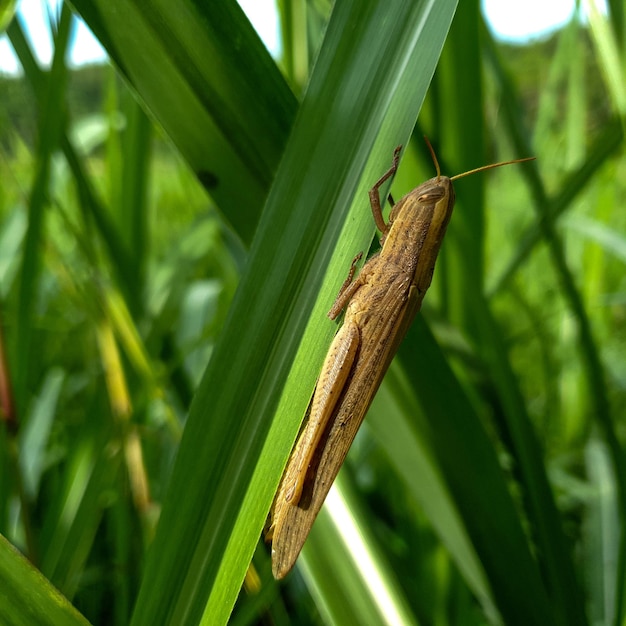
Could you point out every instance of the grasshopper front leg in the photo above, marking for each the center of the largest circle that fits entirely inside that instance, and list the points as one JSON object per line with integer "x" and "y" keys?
{"x": 374, "y": 194}
{"x": 347, "y": 290}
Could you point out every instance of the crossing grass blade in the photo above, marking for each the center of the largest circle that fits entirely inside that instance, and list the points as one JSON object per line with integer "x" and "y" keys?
{"x": 247, "y": 411}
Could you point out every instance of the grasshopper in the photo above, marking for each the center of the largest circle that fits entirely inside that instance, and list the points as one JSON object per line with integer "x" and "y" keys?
{"x": 380, "y": 304}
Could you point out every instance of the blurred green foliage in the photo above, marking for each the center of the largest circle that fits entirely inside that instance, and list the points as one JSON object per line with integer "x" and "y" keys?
{"x": 488, "y": 485}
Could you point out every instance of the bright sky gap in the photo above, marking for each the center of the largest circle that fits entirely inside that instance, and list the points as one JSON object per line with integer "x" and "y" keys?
{"x": 510, "y": 20}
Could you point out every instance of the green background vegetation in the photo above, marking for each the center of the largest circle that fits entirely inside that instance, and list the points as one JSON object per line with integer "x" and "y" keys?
{"x": 173, "y": 229}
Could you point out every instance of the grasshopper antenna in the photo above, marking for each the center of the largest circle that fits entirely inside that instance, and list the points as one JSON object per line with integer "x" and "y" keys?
{"x": 434, "y": 157}
{"x": 492, "y": 166}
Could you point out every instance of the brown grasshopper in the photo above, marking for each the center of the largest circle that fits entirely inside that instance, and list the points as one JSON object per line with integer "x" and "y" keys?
{"x": 380, "y": 304}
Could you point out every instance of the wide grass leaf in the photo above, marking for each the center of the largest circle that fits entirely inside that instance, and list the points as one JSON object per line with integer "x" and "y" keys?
{"x": 27, "y": 598}
{"x": 204, "y": 74}
{"x": 362, "y": 101}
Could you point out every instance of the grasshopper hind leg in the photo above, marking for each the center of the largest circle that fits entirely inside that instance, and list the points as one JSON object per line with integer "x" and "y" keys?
{"x": 333, "y": 377}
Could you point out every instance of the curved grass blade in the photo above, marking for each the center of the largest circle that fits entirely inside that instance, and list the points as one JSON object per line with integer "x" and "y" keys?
{"x": 203, "y": 73}
{"x": 362, "y": 101}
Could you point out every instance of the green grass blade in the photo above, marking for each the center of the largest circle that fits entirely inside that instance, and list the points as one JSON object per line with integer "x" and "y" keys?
{"x": 91, "y": 204}
{"x": 462, "y": 271}
{"x": 608, "y": 53}
{"x": 7, "y": 12}
{"x": 394, "y": 422}
{"x": 469, "y": 464}
{"x": 51, "y": 124}
{"x": 592, "y": 362}
{"x": 203, "y": 73}
{"x": 27, "y": 598}
{"x": 345, "y": 569}
{"x": 606, "y": 145}
{"x": 362, "y": 101}
{"x": 602, "y": 534}
{"x": 130, "y": 178}
{"x": 518, "y": 432}
{"x": 480, "y": 485}
{"x": 70, "y": 527}
{"x": 459, "y": 131}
